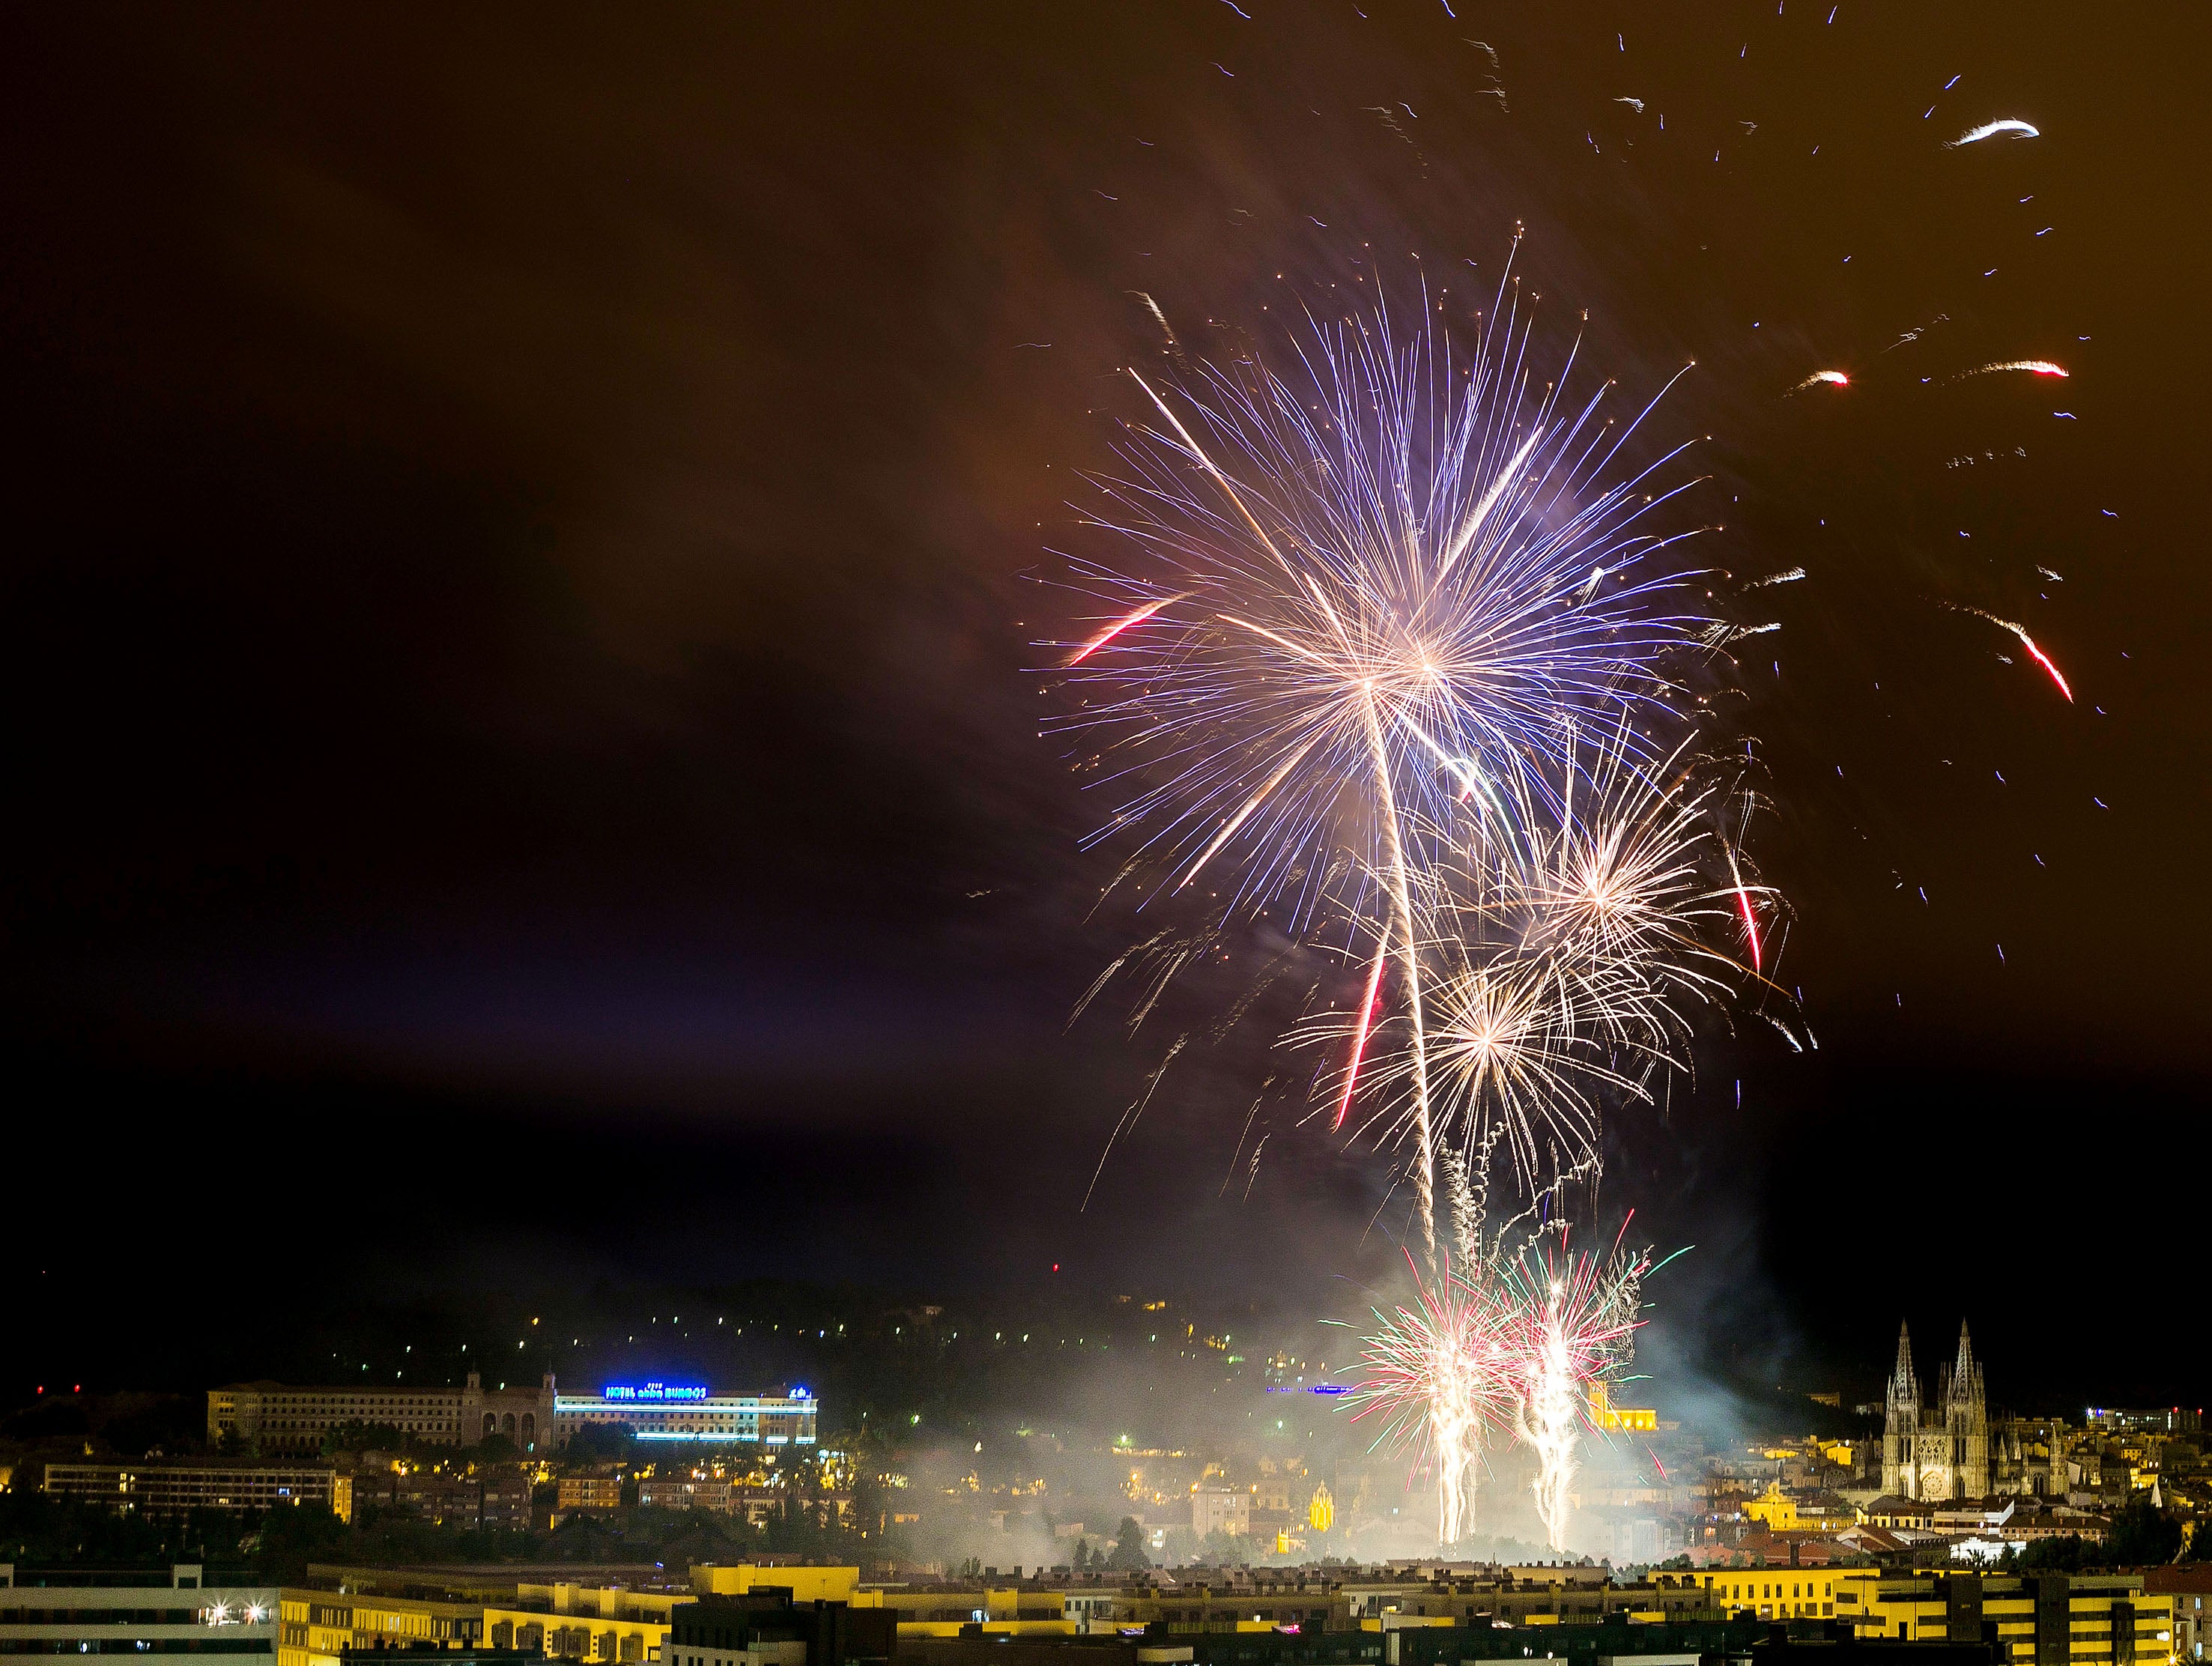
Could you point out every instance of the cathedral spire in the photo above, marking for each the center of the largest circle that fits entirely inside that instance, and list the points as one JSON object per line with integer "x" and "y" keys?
{"x": 1901, "y": 1379}
{"x": 1965, "y": 1366}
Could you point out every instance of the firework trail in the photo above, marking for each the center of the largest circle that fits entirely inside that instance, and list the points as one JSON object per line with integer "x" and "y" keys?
{"x": 1991, "y": 130}
{"x": 2026, "y": 641}
{"x": 1833, "y": 378}
{"x": 2036, "y": 366}
{"x": 1368, "y": 603}
{"x": 1367, "y": 1004}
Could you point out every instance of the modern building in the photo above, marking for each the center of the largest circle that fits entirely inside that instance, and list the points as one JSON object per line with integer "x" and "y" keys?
{"x": 603, "y": 1625}
{"x": 2046, "y": 1618}
{"x": 769, "y": 1628}
{"x": 1942, "y": 1451}
{"x": 690, "y": 1412}
{"x": 321, "y": 1627}
{"x": 165, "y": 1488}
{"x": 2190, "y": 1589}
{"x": 283, "y": 1417}
{"x": 138, "y": 1613}
{"x": 2157, "y": 1420}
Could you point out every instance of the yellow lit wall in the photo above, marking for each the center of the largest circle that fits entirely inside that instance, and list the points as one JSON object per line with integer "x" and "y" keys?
{"x": 806, "y": 1585}
{"x": 1609, "y": 1417}
{"x": 1776, "y": 1593}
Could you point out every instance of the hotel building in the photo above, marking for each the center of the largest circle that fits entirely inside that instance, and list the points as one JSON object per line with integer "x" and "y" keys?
{"x": 280, "y": 1416}
{"x": 690, "y": 1411}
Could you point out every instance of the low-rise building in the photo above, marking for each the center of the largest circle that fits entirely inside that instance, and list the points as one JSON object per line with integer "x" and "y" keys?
{"x": 1774, "y": 1593}
{"x": 600, "y": 1624}
{"x": 165, "y": 1488}
{"x": 490, "y": 1499}
{"x": 319, "y": 1628}
{"x": 138, "y": 1613}
{"x": 683, "y": 1493}
{"x": 590, "y": 1492}
{"x": 769, "y": 1628}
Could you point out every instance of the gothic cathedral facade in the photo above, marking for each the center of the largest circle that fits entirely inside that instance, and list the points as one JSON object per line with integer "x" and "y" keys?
{"x": 1940, "y": 1450}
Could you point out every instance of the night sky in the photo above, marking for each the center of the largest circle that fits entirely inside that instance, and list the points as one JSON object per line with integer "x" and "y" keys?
{"x": 522, "y": 590}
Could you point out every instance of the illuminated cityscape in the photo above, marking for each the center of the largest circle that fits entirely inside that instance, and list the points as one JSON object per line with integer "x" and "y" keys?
{"x": 1171, "y": 833}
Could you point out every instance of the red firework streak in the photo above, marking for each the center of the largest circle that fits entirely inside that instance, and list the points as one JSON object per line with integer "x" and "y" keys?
{"x": 2026, "y": 641}
{"x": 2044, "y": 659}
{"x": 1750, "y": 923}
{"x": 1360, "y": 1035}
{"x": 1121, "y": 625}
{"x": 1743, "y": 902}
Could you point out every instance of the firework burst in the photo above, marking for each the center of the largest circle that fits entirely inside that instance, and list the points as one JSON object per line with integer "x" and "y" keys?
{"x": 1369, "y": 606}
{"x": 1560, "y": 968}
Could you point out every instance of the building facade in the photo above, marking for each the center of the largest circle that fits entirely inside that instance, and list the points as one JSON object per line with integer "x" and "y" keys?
{"x": 166, "y": 1488}
{"x": 607, "y": 1627}
{"x": 282, "y": 1417}
{"x": 494, "y": 1499}
{"x": 590, "y": 1493}
{"x": 1941, "y": 1450}
{"x": 172, "y": 1615}
{"x": 2190, "y": 1589}
{"x": 1774, "y": 1593}
{"x": 1220, "y": 1510}
{"x": 690, "y": 1412}
{"x": 319, "y": 1628}
{"x": 2041, "y": 1619}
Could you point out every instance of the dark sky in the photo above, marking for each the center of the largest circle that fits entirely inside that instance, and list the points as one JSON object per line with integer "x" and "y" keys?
{"x": 523, "y": 769}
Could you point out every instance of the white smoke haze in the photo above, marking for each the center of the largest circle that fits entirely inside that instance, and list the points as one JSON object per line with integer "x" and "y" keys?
{"x": 1062, "y": 1461}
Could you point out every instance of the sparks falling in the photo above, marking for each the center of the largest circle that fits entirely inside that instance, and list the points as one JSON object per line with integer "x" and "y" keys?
{"x": 1439, "y": 1378}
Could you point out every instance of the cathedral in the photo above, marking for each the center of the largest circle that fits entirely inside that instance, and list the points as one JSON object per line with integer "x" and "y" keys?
{"x": 1941, "y": 1450}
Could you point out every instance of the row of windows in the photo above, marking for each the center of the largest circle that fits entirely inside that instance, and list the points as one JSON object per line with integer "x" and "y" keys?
{"x": 165, "y": 1645}
{"x": 99, "y": 1617}
{"x": 1754, "y": 1591}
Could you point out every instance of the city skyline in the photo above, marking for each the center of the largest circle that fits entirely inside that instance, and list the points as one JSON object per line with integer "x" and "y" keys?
{"x": 548, "y": 553}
